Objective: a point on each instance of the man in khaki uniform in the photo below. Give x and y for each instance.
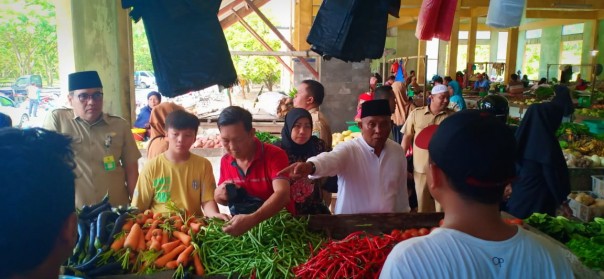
(106, 155)
(309, 97)
(419, 119)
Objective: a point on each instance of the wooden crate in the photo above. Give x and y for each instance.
(339, 226)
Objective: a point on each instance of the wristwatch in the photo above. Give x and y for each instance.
(314, 168)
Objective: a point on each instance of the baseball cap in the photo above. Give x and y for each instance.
(472, 148)
(439, 88)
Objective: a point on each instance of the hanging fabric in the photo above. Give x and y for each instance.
(394, 67)
(505, 13)
(400, 76)
(426, 21)
(446, 15)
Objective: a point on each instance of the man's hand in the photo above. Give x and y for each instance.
(220, 193)
(239, 224)
(297, 170)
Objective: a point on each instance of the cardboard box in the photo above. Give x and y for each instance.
(597, 185)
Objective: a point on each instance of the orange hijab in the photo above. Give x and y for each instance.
(157, 126)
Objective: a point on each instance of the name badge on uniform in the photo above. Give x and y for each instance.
(195, 185)
(109, 162)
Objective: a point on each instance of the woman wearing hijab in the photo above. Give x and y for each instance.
(543, 181)
(564, 101)
(403, 106)
(299, 144)
(157, 125)
(153, 99)
(456, 101)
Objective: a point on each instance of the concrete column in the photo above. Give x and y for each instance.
(454, 44)
(102, 41)
(421, 66)
(472, 44)
(592, 43)
(303, 13)
(64, 44)
(512, 52)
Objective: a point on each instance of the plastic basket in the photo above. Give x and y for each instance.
(596, 126)
(352, 126)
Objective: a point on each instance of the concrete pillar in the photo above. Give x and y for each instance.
(97, 35)
(303, 18)
(512, 52)
(421, 65)
(472, 44)
(454, 44)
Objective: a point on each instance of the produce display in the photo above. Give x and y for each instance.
(208, 142)
(343, 136)
(266, 137)
(121, 241)
(359, 255)
(585, 240)
(593, 111)
(580, 148)
(595, 204)
(269, 250)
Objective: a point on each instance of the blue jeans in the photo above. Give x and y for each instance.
(33, 105)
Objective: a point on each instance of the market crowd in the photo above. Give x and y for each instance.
(438, 157)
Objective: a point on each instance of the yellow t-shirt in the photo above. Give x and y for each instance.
(187, 184)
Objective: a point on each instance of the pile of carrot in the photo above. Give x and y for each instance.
(148, 242)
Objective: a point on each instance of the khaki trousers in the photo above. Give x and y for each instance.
(425, 202)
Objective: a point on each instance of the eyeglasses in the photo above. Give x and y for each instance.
(97, 96)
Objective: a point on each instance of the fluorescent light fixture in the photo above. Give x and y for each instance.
(594, 52)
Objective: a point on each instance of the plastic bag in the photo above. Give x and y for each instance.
(240, 202)
(505, 13)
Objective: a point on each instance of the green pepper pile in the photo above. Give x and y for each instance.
(266, 137)
(269, 250)
(585, 240)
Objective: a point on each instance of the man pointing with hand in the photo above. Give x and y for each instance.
(371, 170)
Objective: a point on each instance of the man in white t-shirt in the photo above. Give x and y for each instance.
(469, 181)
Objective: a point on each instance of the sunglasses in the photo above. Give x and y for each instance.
(97, 96)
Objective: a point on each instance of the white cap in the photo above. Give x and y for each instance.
(439, 88)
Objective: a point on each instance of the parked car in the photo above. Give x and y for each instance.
(17, 91)
(18, 114)
(144, 79)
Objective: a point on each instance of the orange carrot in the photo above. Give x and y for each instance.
(148, 213)
(148, 222)
(171, 265)
(178, 224)
(164, 237)
(163, 260)
(118, 243)
(185, 256)
(185, 238)
(199, 271)
(184, 228)
(157, 216)
(151, 229)
(168, 247)
(141, 218)
(132, 240)
(196, 227)
(155, 245)
(142, 246)
(156, 232)
(128, 225)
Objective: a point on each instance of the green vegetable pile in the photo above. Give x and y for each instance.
(544, 93)
(585, 240)
(266, 137)
(269, 250)
(576, 129)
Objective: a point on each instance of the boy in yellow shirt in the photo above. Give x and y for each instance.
(177, 175)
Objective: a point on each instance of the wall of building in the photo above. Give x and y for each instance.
(343, 83)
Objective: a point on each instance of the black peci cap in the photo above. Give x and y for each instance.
(84, 80)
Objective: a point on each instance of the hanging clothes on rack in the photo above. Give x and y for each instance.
(394, 67)
(400, 73)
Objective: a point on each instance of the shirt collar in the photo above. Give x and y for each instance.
(104, 118)
(312, 110)
(427, 110)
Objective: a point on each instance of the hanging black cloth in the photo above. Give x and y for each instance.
(351, 30)
(543, 180)
(188, 48)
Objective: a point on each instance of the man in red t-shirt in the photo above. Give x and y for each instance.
(252, 165)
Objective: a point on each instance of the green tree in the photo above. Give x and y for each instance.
(531, 60)
(140, 48)
(257, 69)
(29, 41)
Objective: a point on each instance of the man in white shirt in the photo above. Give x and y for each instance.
(371, 170)
(469, 181)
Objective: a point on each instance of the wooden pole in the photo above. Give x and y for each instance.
(512, 53)
(421, 66)
(472, 44)
(453, 43)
